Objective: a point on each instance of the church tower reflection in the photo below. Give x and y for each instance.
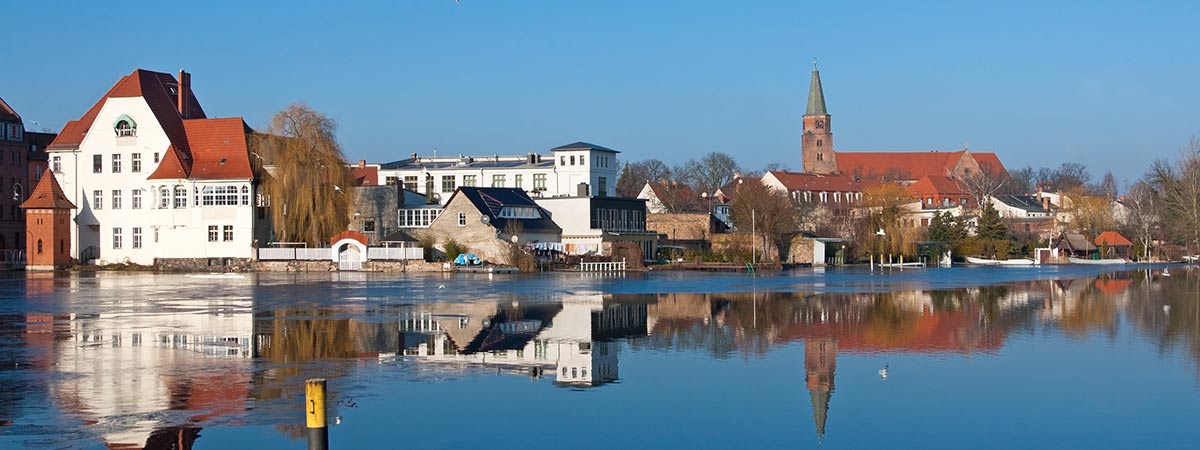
(820, 364)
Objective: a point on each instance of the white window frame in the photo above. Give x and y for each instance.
(462, 219)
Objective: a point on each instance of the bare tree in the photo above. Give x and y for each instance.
(1020, 182)
(773, 215)
(634, 176)
(310, 182)
(1179, 186)
(1090, 214)
(713, 171)
(983, 184)
(1144, 215)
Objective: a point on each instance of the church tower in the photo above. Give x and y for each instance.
(816, 146)
(820, 364)
(47, 226)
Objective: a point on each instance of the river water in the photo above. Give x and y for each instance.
(1050, 357)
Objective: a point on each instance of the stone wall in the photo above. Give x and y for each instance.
(205, 264)
(377, 204)
(680, 227)
(801, 251)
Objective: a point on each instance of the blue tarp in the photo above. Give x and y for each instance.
(467, 259)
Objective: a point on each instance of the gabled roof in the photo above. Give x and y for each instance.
(48, 194)
(1112, 238)
(936, 185)
(910, 165)
(676, 196)
(490, 201)
(160, 92)
(364, 176)
(1077, 242)
(583, 146)
(802, 181)
(7, 113)
(219, 149)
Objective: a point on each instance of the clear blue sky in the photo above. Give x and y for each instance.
(1109, 84)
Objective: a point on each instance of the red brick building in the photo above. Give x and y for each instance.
(48, 220)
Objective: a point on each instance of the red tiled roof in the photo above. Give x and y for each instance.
(939, 185)
(910, 165)
(1112, 238)
(218, 148)
(349, 234)
(48, 194)
(155, 87)
(798, 181)
(365, 176)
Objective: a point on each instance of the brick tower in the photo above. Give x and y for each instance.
(816, 146)
(47, 226)
(820, 365)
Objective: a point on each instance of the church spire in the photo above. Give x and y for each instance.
(816, 96)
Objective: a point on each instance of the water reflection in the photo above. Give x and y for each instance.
(152, 370)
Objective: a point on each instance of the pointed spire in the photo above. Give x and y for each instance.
(816, 96)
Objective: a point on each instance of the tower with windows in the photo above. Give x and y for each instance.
(816, 146)
(48, 226)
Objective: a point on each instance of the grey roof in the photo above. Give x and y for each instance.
(816, 96)
(489, 202)
(1028, 203)
(1076, 242)
(485, 162)
(583, 146)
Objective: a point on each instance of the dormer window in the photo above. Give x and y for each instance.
(125, 127)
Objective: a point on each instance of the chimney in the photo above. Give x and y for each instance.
(183, 94)
(413, 156)
(1046, 203)
(362, 164)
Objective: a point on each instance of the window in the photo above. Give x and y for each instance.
(156, 157)
(125, 128)
(962, 201)
(97, 163)
(497, 180)
(369, 226)
(603, 186)
(562, 160)
(39, 247)
(418, 217)
(136, 160)
(462, 219)
(227, 233)
(391, 181)
(819, 142)
(582, 159)
(180, 197)
(15, 132)
(520, 212)
(539, 181)
(137, 236)
(820, 156)
(572, 159)
(116, 163)
(220, 196)
(518, 180)
(410, 182)
(116, 199)
(164, 198)
(97, 199)
(212, 233)
(245, 196)
(57, 167)
(117, 238)
(469, 180)
(448, 182)
(16, 158)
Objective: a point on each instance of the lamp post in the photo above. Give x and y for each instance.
(18, 190)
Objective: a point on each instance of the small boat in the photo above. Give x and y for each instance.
(1097, 262)
(1017, 262)
(901, 265)
(982, 261)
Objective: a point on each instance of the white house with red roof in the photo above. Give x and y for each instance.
(153, 178)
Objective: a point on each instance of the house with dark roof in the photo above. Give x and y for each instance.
(153, 178)
(489, 221)
(1027, 215)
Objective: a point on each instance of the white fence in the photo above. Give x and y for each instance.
(618, 266)
(322, 254)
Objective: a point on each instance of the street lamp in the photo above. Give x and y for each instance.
(17, 191)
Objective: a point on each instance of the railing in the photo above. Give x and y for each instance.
(271, 254)
(614, 266)
(323, 254)
(313, 254)
(395, 253)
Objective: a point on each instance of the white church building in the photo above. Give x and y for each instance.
(152, 177)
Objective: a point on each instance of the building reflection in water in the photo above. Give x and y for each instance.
(151, 371)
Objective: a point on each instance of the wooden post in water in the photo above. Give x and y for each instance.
(314, 414)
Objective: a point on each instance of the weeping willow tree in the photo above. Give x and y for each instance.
(888, 229)
(308, 180)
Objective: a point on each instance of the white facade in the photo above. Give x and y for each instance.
(123, 216)
(559, 174)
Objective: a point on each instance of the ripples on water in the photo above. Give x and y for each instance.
(1046, 357)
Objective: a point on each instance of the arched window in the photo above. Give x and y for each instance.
(125, 126)
(181, 197)
(61, 247)
(39, 250)
(819, 142)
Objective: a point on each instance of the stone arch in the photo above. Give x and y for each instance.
(346, 240)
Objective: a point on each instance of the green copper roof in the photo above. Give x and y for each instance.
(816, 97)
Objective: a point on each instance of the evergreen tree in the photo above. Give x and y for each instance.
(991, 227)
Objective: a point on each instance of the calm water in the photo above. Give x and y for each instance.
(1056, 357)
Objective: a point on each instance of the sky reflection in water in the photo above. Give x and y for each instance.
(1069, 357)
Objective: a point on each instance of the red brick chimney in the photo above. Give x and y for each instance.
(184, 95)
(362, 163)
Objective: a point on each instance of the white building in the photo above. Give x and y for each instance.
(153, 177)
(574, 169)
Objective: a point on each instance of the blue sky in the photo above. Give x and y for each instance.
(1108, 84)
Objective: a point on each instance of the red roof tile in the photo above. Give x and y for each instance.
(48, 194)
(910, 165)
(1111, 238)
(798, 181)
(939, 185)
(156, 88)
(218, 148)
(365, 176)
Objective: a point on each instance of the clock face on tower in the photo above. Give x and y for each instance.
(820, 124)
